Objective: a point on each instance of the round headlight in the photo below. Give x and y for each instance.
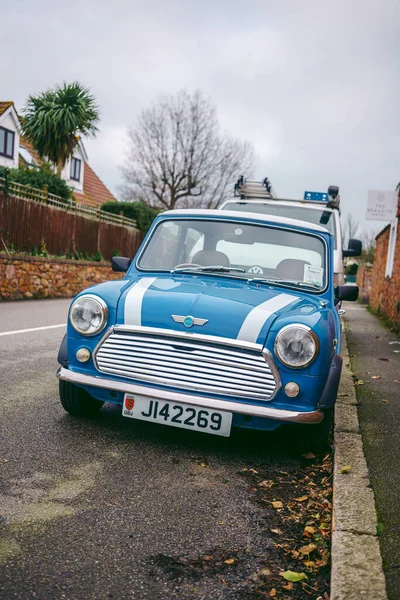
(88, 315)
(296, 346)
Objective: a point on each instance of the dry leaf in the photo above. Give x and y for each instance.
(385, 401)
(345, 469)
(265, 572)
(309, 455)
(202, 464)
(208, 558)
(301, 499)
(229, 561)
(253, 471)
(307, 549)
(309, 563)
(277, 531)
(359, 382)
(272, 593)
(308, 531)
(376, 377)
(277, 504)
(288, 586)
(266, 484)
(221, 523)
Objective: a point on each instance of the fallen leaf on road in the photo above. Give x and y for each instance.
(292, 576)
(266, 484)
(309, 563)
(221, 523)
(277, 531)
(4, 460)
(265, 572)
(288, 586)
(309, 455)
(229, 561)
(308, 531)
(378, 337)
(308, 549)
(385, 359)
(272, 593)
(277, 504)
(359, 382)
(301, 499)
(208, 558)
(385, 401)
(345, 469)
(376, 377)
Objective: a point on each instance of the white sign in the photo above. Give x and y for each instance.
(382, 206)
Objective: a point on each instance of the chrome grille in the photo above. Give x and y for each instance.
(193, 364)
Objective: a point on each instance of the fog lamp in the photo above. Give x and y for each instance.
(292, 389)
(83, 354)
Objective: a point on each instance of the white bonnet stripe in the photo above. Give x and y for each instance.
(134, 299)
(253, 323)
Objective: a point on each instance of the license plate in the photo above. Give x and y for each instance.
(177, 414)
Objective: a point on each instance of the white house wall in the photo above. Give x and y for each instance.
(7, 121)
(66, 173)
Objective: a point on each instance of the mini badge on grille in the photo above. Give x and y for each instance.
(189, 321)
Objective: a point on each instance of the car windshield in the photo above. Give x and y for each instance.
(226, 248)
(316, 216)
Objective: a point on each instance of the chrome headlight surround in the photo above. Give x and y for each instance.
(99, 312)
(282, 339)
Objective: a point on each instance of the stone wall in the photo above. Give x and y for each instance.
(32, 277)
(385, 291)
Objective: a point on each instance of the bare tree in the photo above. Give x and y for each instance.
(368, 238)
(178, 158)
(349, 229)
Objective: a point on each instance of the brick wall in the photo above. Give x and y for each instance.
(31, 277)
(364, 282)
(385, 291)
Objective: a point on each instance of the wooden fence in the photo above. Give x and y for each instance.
(19, 190)
(28, 223)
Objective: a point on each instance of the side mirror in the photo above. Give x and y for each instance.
(354, 249)
(120, 264)
(346, 292)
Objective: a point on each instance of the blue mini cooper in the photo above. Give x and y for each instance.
(223, 319)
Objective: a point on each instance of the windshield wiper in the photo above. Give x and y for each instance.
(209, 269)
(284, 281)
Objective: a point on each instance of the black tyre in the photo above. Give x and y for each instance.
(315, 438)
(76, 401)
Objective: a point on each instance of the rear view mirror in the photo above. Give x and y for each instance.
(120, 264)
(346, 292)
(354, 249)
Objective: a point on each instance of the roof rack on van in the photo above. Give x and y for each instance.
(248, 188)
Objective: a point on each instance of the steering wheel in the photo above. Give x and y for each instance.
(255, 269)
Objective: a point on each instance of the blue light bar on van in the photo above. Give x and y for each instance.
(316, 196)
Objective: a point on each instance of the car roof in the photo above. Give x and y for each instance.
(284, 202)
(237, 216)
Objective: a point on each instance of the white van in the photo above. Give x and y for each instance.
(316, 208)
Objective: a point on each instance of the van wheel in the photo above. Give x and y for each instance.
(316, 438)
(76, 401)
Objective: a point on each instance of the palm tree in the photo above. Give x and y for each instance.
(55, 120)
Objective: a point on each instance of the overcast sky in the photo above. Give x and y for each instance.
(315, 85)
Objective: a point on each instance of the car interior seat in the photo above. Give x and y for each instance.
(291, 268)
(208, 258)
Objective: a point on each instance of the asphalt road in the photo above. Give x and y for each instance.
(94, 509)
(375, 359)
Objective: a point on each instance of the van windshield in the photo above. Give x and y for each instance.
(236, 249)
(323, 217)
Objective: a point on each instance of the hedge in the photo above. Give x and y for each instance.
(37, 178)
(140, 211)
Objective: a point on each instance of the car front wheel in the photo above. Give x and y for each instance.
(76, 401)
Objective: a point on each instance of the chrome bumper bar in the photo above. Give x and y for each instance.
(266, 412)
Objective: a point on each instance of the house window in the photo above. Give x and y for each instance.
(6, 142)
(76, 169)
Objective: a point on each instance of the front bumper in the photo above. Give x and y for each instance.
(266, 412)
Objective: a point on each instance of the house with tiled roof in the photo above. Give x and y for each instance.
(15, 150)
